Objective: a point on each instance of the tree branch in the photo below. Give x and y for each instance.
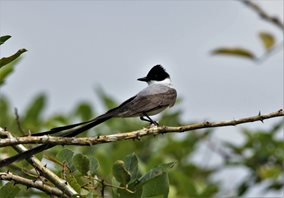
(272, 19)
(32, 183)
(53, 178)
(134, 134)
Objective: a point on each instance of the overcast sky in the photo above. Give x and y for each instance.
(76, 46)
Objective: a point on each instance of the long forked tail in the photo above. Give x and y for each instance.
(71, 133)
(62, 128)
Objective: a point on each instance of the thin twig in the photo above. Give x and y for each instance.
(272, 19)
(103, 188)
(8, 176)
(19, 122)
(113, 186)
(156, 130)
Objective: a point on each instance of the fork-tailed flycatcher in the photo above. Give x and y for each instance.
(159, 95)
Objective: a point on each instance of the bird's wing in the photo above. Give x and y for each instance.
(144, 103)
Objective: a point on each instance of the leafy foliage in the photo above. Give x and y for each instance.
(88, 169)
(121, 174)
(3, 39)
(8, 62)
(262, 153)
(267, 39)
(81, 163)
(242, 52)
(129, 180)
(6, 71)
(9, 190)
(148, 171)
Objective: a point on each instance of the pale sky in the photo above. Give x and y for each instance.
(76, 46)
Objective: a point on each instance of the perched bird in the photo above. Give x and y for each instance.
(157, 96)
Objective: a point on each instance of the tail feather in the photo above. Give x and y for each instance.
(62, 128)
(71, 133)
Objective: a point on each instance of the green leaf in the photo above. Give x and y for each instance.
(120, 173)
(5, 72)
(9, 190)
(157, 187)
(94, 165)
(5, 117)
(185, 184)
(6, 60)
(84, 110)
(66, 155)
(209, 190)
(73, 182)
(267, 39)
(34, 111)
(269, 172)
(82, 163)
(155, 172)
(104, 160)
(131, 164)
(3, 39)
(238, 51)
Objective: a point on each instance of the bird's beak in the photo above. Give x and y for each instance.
(143, 79)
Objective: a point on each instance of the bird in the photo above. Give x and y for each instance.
(156, 97)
